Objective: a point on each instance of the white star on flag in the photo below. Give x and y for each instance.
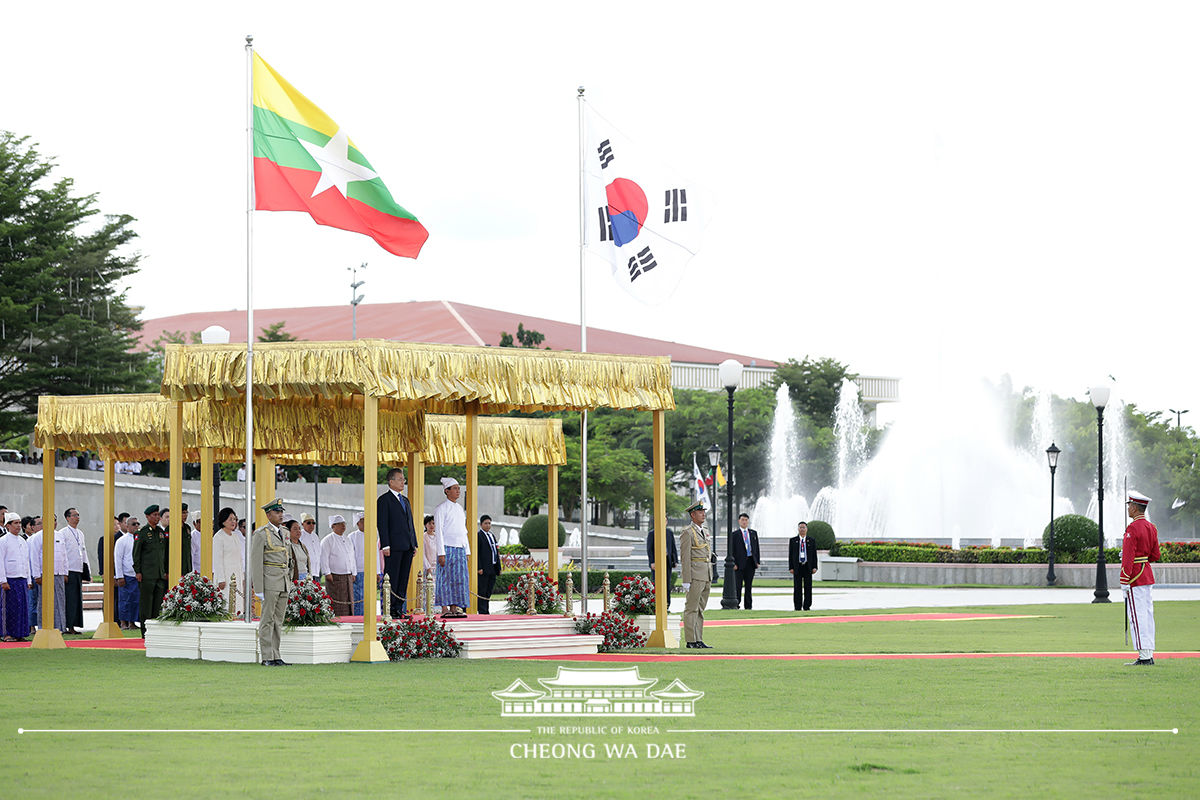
(337, 169)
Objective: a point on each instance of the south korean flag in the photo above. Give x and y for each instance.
(638, 216)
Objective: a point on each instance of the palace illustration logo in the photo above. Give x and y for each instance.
(597, 692)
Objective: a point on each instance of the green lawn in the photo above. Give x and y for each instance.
(83, 689)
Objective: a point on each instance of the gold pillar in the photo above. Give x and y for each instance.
(416, 501)
(370, 648)
(472, 504)
(175, 549)
(264, 487)
(552, 519)
(108, 628)
(662, 636)
(204, 526)
(48, 637)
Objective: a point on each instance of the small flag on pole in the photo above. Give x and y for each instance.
(304, 161)
(700, 485)
(639, 217)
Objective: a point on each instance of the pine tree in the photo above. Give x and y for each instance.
(65, 327)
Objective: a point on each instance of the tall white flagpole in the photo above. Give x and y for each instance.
(248, 606)
(583, 435)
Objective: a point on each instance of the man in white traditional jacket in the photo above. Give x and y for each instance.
(128, 593)
(77, 559)
(337, 565)
(358, 538)
(50, 580)
(453, 549)
(309, 538)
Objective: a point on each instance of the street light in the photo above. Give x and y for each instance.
(1178, 416)
(1052, 457)
(730, 373)
(354, 301)
(1099, 395)
(714, 458)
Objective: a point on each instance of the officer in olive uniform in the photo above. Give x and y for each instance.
(695, 574)
(150, 566)
(270, 567)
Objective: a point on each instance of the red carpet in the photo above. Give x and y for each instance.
(928, 617)
(92, 644)
(639, 658)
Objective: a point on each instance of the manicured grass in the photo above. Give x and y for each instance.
(92, 689)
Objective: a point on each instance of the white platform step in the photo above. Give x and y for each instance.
(509, 636)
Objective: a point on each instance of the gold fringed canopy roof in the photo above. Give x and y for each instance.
(137, 426)
(502, 440)
(438, 378)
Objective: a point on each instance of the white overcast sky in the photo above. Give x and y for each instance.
(909, 187)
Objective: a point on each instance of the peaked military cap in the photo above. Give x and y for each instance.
(274, 505)
(696, 506)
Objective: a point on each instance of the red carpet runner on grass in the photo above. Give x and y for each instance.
(645, 658)
(91, 644)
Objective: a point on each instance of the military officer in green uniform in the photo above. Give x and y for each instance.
(270, 568)
(695, 574)
(150, 566)
(185, 544)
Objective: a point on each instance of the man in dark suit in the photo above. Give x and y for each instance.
(802, 563)
(672, 558)
(397, 538)
(746, 558)
(489, 562)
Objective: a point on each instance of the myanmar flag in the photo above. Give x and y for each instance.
(304, 162)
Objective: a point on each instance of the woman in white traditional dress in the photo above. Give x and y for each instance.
(229, 555)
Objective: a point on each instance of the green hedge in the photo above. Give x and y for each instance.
(822, 534)
(1073, 533)
(514, 550)
(926, 553)
(595, 579)
(534, 532)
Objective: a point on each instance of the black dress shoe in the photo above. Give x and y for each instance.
(279, 662)
(704, 646)
(693, 644)
(268, 663)
(1141, 662)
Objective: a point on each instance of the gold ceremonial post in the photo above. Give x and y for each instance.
(416, 501)
(108, 629)
(232, 595)
(570, 605)
(604, 592)
(418, 607)
(175, 549)
(205, 526)
(370, 649)
(264, 487)
(383, 601)
(48, 637)
(661, 636)
(552, 519)
(530, 596)
(472, 504)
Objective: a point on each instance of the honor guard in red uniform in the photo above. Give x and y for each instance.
(1138, 548)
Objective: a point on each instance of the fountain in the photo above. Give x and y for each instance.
(948, 470)
(777, 514)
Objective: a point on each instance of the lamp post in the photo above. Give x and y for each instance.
(1178, 415)
(714, 458)
(730, 373)
(1052, 457)
(1099, 395)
